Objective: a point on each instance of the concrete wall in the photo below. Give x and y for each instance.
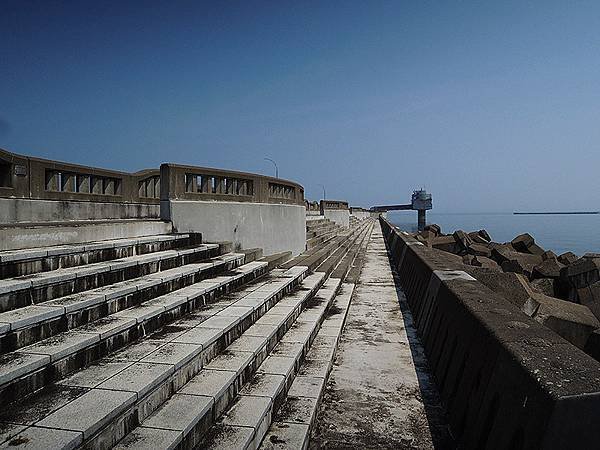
(21, 236)
(339, 216)
(360, 214)
(506, 380)
(13, 210)
(272, 227)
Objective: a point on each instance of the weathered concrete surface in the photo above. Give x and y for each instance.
(339, 216)
(17, 210)
(273, 227)
(380, 393)
(20, 237)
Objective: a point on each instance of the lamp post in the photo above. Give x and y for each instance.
(324, 194)
(276, 168)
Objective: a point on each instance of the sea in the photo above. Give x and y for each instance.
(560, 233)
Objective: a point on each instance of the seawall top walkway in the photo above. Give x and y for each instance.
(380, 393)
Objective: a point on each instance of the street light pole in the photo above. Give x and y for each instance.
(324, 194)
(276, 168)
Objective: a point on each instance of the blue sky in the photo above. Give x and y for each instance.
(493, 106)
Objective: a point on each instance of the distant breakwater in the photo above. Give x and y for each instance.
(555, 212)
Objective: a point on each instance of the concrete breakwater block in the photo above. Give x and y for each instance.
(549, 268)
(590, 297)
(580, 274)
(525, 243)
(572, 321)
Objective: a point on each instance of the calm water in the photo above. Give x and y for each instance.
(559, 233)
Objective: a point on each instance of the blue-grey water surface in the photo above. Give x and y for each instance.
(559, 233)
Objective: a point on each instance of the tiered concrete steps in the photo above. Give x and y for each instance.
(292, 377)
(44, 341)
(292, 422)
(119, 392)
(14, 263)
(271, 381)
(313, 257)
(289, 326)
(320, 231)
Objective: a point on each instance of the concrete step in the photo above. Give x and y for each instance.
(316, 256)
(320, 240)
(310, 222)
(109, 426)
(324, 249)
(33, 323)
(317, 231)
(287, 327)
(344, 251)
(252, 254)
(354, 271)
(272, 380)
(20, 235)
(40, 287)
(35, 366)
(14, 263)
(312, 231)
(276, 259)
(316, 224)
(245, 424)
(107, 399)
(353, 259)
(291, 424)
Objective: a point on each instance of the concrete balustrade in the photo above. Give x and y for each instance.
(35, 190)
(360, 213)
(506, 380)
(337, 211)
(247, 209)
(312, 208)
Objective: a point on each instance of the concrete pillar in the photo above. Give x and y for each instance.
(421, 220)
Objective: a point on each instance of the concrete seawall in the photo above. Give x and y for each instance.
(506, 380)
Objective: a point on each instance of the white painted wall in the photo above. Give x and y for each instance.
(274, 228)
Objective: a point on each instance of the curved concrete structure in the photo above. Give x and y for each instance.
(247, 209)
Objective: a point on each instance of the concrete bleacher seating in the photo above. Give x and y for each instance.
(164, 341)
(319, 232)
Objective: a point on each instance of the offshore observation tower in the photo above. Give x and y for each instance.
(420, 201)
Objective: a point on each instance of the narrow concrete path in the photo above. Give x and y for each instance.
(380, 394)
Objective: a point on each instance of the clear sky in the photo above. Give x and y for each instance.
(492, 106)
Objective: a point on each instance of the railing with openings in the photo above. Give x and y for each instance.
(202, 183)
(35, 178)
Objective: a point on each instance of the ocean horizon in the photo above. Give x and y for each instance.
(560, 233)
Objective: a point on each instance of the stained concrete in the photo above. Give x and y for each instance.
(14, 238)
(273, 227)
(380, 393)
(338, 216)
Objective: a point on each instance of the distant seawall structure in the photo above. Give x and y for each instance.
(554, 212)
